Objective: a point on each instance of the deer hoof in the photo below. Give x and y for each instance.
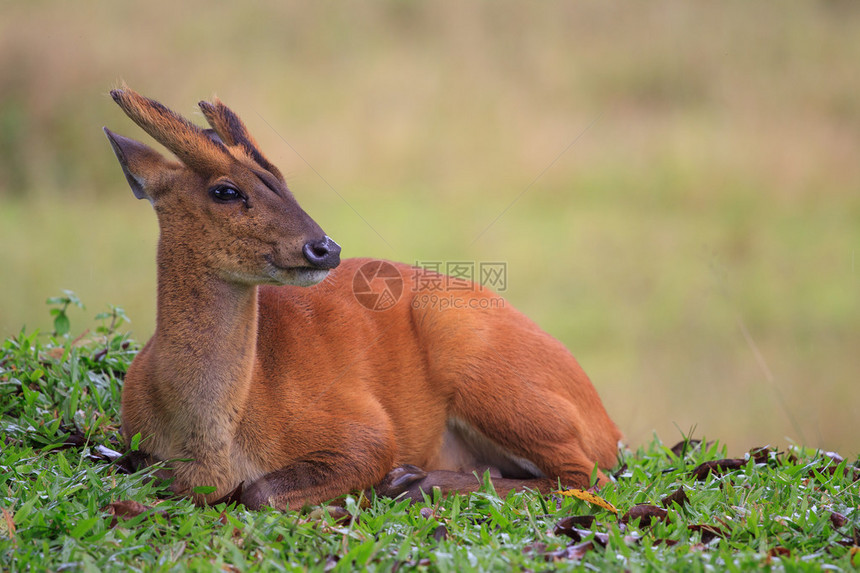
(399, 479)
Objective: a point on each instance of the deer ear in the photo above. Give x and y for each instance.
(143, 166)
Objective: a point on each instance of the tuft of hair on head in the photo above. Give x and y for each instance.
(233, 132)
(188, 142)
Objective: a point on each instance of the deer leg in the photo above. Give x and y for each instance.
(537, 433)
(323, 474)
(304, 482)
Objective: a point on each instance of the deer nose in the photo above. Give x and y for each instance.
(323, 253)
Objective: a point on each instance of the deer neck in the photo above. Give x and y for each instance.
(205, 338)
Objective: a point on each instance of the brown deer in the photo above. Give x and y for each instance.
(305, 393)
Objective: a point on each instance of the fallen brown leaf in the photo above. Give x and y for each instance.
(571, 552)
(763, 454)
(573, 522)
(709, 532)
(427, 512)
(645, 513)
(837, 519)
(75, 439)
(684, 447)
(579, 534)
(236, 534)
(848, 471)
(338, 514)
(10, 524)
(679, 496)
(577, 551)
(717, 467)
(127, 509)
(331, 562)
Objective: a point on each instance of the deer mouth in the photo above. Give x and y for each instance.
(304, 275)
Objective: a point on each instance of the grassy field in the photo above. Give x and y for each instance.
(674, 187)
(69, 502)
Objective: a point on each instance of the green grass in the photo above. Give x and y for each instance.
(795, 510)
(714, 195)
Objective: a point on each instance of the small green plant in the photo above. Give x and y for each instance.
(117, 318)
(62, 325)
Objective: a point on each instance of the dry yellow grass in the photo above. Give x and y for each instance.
(696, 247)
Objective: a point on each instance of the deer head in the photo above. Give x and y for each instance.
(223, 207)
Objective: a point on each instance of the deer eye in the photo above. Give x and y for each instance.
(226, 194)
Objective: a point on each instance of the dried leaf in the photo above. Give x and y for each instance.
(573, 522)
(75, 439)
(645, 513)
(338, 514)
(331, 562)
(578, 551)
(568, 529)
(573, 551)
(127, 509)
(426, 512)
(838, 520)
(10, 524)
(577, 527)
(709, 532)
(236, 533)
(56, 353)
(620, 471)
(588, 497)
(679, 496)
(681, 448)
(717, 467)
(853, 473)
(763, 454)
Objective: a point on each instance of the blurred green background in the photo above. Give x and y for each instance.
(678, 183)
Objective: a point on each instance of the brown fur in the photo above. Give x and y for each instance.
(301, 392)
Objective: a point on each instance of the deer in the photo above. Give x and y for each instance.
(268, 377)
